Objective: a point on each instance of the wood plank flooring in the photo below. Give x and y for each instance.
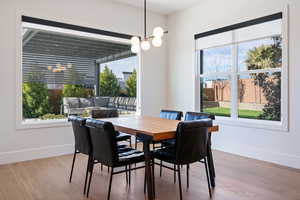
(238, 178)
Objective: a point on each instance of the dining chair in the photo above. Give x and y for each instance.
(166, 114)
(198, 116)
(190, 146)
(190, 116)
(82, 143)
(111, 113)
(105, 151)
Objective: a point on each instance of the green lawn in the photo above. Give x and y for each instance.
(219, 111)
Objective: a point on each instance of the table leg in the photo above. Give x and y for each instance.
(147, 152)
(211, 166)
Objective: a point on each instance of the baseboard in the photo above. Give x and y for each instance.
(35, 153)
(287, 160)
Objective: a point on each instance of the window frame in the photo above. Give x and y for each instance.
(21, 18)
(234, 120)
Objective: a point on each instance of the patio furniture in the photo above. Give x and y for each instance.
(77, 106)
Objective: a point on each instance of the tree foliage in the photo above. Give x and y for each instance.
(109, 84)
(263, 57)
(131, 84)
(35, 96)
(74, 87)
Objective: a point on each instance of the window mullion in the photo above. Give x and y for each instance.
(234, 79)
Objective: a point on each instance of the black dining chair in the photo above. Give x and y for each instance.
(105, 151)
(190, 146)
(82, 143)
(166, 114)
(111, 113)
(198, 116)
(188, 117)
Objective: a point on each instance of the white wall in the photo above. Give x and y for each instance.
(34, 143)
(273, 146)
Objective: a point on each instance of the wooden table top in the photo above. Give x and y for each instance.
(158, 128)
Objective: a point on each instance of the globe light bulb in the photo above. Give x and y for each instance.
(145, 45)
(135, 41)
(157, 41)
(158, 32)
(135, 48)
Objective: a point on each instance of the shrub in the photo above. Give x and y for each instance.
(51, 116)
(35, 96)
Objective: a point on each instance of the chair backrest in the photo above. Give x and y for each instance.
(107, 113)
(171, 114)
(104, 143)
(191, 140)
(198, 115)
(81, 134)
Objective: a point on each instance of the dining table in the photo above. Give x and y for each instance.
(155, 129)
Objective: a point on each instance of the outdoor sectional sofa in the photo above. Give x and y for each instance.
(77, 106)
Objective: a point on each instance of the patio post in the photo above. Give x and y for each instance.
(97, 74)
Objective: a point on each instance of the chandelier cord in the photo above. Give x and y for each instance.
(145, 17)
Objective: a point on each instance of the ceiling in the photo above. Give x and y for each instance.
(162, 6)
(44, 49)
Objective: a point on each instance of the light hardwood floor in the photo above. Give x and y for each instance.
(238, 178)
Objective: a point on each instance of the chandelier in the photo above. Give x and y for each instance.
(59, 67)
(138, 43)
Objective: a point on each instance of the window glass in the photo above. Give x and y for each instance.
(259, 96)
(260, 54)
(216, 95)
(69, 74)
(218, 59)
(242, 78)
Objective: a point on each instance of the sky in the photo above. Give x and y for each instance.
(123, 65)
(219, 59)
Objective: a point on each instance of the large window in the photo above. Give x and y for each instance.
(240, 70)
(73, 72)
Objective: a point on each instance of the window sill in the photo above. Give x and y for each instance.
(252, 123)
(37, 124)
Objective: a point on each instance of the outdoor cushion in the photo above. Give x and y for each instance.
(101, 101)
(72, 102)
(76, 111)
(86, 102)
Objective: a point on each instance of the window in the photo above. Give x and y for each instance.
(241, 70)
(71, 70)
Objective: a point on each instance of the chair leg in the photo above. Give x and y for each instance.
(130, 143)
(71, 174)
(187, 175)
(153, 177)
(126, 171)
(145, 182)
(160, 168)
(129, 175)
(135, 144)
(110, 182)
(174, 173)
(90, 179)
(179, 181)
(87, 173)
(207, 176)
